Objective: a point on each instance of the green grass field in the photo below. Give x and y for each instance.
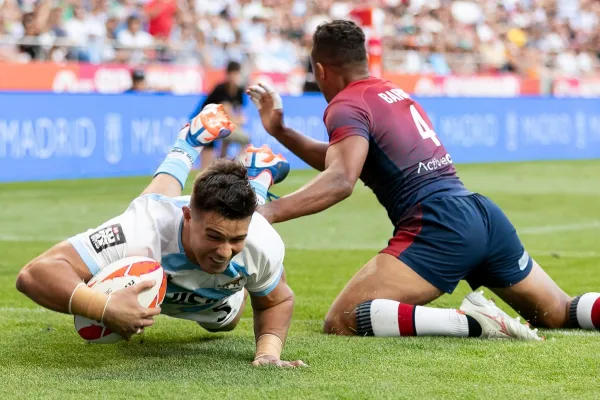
(553, 205)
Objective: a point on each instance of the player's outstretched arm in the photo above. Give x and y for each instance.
(210, 124)
(272, 317)
(270, 107)
(344, 163)
(56, 280)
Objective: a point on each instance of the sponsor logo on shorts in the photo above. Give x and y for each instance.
(107, 237)
(523, 261)
(434, 163)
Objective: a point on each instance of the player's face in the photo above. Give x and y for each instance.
(215, 240)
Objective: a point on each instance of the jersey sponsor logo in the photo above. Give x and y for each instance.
(434, 163)
(107, 237)
(234, 284)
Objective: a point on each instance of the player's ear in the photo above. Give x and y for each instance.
(320, 71)
(187, 213)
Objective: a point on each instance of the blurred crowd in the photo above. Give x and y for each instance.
(528, 37)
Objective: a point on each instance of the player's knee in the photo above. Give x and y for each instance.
(226, 328)
(339, 323)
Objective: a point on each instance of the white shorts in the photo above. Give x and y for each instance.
(218, 316)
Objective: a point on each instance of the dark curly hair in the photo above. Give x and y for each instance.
(339, 43)
(224, 188)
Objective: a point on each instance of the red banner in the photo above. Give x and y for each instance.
(105, 78)
(113, 78)
(465, 86)
(33, 76)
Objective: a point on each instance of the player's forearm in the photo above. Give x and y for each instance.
(49, 282)
(324, 191)
(311, 151)
(273, 321)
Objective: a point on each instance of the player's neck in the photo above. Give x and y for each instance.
(350, 78)
(344, 81)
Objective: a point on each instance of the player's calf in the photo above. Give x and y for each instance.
(211, 124)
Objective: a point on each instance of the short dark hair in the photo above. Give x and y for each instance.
(224, 188)
(339, 43)
(233, 66)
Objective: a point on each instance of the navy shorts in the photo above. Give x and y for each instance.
(453, 238)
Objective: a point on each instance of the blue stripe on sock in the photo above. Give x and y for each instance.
(175, 167)
(260, 190)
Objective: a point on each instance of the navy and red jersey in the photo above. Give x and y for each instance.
(406, 162)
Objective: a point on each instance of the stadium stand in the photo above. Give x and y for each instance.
(526, 37)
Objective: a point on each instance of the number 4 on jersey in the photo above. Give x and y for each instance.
(425, 131)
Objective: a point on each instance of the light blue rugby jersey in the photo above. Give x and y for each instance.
(151, 227)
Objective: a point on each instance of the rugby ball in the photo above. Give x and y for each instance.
(114, 277)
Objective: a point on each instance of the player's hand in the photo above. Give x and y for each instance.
(124, 314)
(272, 360)
(270, 107)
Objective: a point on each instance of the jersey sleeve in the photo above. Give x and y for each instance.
(132, 233)
(267, 252)
(344, 119)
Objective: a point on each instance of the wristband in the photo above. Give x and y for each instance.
(268, 344)
(87, 303)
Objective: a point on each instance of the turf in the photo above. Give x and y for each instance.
(553, 205)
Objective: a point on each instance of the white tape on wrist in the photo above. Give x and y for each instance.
(72, 293)
(103, 311)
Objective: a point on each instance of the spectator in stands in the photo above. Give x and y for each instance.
(31, 32)
(440, 36)
(161, 16)
(138, 81)
(230, 93)
(79, 31)
(134, 39)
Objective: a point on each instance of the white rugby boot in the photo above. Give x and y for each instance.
(495, 323)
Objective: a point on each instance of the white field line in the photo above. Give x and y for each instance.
(541, 230)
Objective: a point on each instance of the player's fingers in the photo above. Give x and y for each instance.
(151, 312)
(256, 102)
(146, 322)
(257, 91)
(267, 87)
(144, 285)
(298, 363)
